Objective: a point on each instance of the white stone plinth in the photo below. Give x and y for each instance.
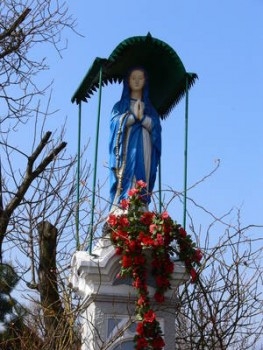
(109, 302)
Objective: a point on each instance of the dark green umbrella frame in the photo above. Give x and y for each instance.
(168, 79)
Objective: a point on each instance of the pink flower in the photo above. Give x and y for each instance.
(138, 283)
(141, 184)
(142, 300)
(132, 192)
(165, 215)
(153, 228)
(159, 240)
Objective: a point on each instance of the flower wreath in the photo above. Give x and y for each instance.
(131, 233)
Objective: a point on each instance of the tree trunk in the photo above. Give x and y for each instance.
(57, 328)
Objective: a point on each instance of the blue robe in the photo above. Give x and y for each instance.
(131, 142)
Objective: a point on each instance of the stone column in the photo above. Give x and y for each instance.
(109, 302)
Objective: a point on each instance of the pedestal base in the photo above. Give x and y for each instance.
(109, 303)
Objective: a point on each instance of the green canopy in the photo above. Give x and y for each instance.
(168, 79)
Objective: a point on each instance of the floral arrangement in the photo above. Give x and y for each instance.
(134, 234)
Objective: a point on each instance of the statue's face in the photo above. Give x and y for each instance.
(136, 80)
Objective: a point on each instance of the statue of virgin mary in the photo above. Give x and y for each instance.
(135, 139)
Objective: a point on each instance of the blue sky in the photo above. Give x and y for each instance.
(222, 42)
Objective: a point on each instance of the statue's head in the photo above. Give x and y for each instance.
(136, 79)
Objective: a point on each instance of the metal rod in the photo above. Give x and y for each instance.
(78, 178)
(185, 150)
(95, 167)
(160, 187)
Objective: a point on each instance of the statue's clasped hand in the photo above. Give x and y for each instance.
(138, 109)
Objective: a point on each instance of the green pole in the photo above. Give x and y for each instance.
(78, 178)
(95, 168)
(185, 149)
(160, 188)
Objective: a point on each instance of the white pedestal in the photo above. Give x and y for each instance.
(109, 302)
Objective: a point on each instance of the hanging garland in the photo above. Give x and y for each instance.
(136, 232)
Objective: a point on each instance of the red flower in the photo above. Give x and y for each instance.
(148, 241)
(124, 221)
(133, 245)
(141, 274)
(167, 238)
(118, 250)
(149, 316)
(112, 220)
(131, 233)
(150, 331)
(162, 281)
(159, 297)
(158, 343)
(139, 260)
(193, 274)
(182, 232)
(141, 344)
(139, 328)
(114, 237)
(122, 235)
(125, 203)
(138, 283)
(126, 261)
(147, 218)
(198, 255)
(169, 266)
(159, 239)
(155, 263)
(167, 228)
(140, 235)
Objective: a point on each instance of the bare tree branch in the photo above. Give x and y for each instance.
(30, 175)
(14, 25)
(23, 26)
